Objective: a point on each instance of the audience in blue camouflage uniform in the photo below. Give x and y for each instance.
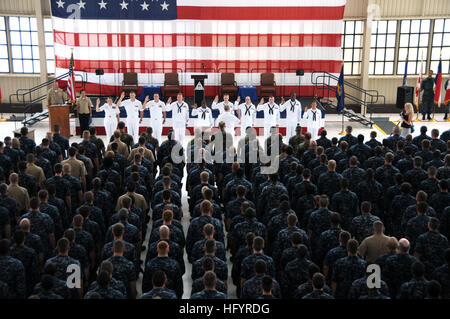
(308, 230)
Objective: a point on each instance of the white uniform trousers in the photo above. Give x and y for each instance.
(267, 127)
(244, 126)
(133, 129)
(290, 129)
(156, 125)
(179, 134)
(314, 132)
(110, 123)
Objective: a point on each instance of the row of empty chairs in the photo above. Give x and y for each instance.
(228, 84)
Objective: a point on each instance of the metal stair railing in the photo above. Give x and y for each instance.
(325, 83)
(24, 97)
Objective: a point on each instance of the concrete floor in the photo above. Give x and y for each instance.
(333, 125)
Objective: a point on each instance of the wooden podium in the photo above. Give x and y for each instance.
(60, 114)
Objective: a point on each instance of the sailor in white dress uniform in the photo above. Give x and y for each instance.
(216, 105)
(314, 120)
(246, 113)
(271, 114)
(112, 116)
(132, 107)
(204, 116)
(180, 116)
(293, 109)
(229, 119)
(157, 114)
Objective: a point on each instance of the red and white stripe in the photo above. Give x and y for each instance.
(419, 82)
(247, 37)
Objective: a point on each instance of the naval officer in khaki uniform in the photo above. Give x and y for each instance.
(122, 147)
(84, 110)
(78, 168)
(20, 194)
(35, 171)
(56, 96)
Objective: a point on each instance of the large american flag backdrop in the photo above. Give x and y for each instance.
(153, 37)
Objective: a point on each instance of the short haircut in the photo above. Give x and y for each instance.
(119, 246)
(103, 279)
(366, 207)
(318, 280)
(418, 269)
(352, 246)
(258, 243)
(209, 279)
(260, 266)
(301, 251)
(63, 245)
(159, 278)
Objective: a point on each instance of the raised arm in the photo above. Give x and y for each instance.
(260, 106)
(168, 107)
(194, 110)
(120, 100)
(144, 106)
(236, 106)
(215, 102)
(282, 105)
(97, 108)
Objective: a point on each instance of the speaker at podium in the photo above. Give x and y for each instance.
(405, 94)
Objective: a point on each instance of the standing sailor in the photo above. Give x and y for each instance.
(204, 116)
(293, 109)
(132, 106)
(84, 111)
(220, 106)
(314, 120)
(271, 114)
(427, 86)
(246, 113)
(112, 116)
(229, 119)
(157, 114)
(180, 116)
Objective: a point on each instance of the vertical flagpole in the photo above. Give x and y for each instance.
(416, 102)
(342, 131)
(439, 102)
(342, 71)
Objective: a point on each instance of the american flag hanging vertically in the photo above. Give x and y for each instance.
(418, 84)
(71, 81)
